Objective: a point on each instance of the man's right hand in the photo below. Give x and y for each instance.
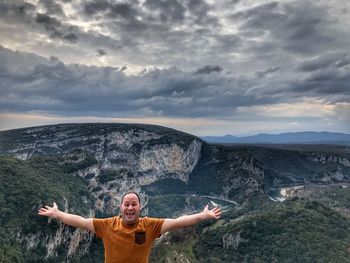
(69, 219)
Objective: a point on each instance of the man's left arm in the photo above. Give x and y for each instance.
(189, 220)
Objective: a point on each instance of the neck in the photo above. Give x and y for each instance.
(130, 224)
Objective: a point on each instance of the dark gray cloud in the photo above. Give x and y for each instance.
(109, 9)
(299, 27)
(201, 58)
(166, 11)
(79, 88)
(101, 52)
(27, 14)
(261, 74)
(123, 68)
(11, 8)
(52, 7)
(332, 82)
(207, 69)
(52, 86)
(56, 29)
(147, 33)
(49, 23)
(333, 59)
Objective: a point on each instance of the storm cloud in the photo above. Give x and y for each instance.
(227, 60)
(52, 86)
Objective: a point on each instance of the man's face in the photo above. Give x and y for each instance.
(130, 208)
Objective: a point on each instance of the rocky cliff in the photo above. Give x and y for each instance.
(175, 173)
(119, 157)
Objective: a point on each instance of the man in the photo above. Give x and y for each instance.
(129, 237)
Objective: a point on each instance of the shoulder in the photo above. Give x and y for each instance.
(149, 221)
(154, 225)
(113, 218)
(103, 225)
(106, 221)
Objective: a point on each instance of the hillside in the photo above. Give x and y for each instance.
(295, 231)
(86, 168)
(25, 187)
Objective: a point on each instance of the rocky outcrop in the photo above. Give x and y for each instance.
(137, 169)
(251, 183)
(112, 159)
(329, 158)
(232, 240)
(169, 159)
(122, 157)
(76, 240)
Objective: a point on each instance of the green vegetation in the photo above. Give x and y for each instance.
(295, 231)
(295, 166)
(25, 186)
(77, 160)
(258, 230)
(223, 166)
(176, 247)
(161, 206)
(336, 196)
(165, 186)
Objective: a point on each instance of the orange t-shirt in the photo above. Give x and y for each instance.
(127, 243)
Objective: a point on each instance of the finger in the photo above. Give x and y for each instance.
(47, 207)
(54, 204)
(217, 212)
(217, 216)
(41, 212)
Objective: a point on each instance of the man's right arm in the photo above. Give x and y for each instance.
(69, 219)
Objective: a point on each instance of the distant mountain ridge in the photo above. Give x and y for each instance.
(308, 137)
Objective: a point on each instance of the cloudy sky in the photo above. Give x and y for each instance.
(207, 67)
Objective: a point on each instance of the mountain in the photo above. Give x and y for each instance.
(86, 168)
(285, 138)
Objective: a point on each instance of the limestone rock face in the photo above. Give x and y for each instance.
(126, 156)
(232, 240)
(162, 165)
(329, 158)
(112, 159)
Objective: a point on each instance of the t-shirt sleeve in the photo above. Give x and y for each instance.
(155, 224)
(101, 225)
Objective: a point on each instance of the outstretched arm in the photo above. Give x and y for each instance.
(189, 220)
(69, 219)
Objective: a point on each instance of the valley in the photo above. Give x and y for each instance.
(86, 168)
